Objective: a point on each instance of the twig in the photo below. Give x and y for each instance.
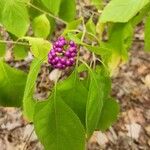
(14, 42)
(49, 14)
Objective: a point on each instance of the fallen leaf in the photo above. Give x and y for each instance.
(134, 130)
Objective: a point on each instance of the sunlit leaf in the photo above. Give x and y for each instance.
(41, 26)
(122, 10)
(15, 17)
(39, 47)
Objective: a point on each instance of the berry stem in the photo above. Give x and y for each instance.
(84, 30)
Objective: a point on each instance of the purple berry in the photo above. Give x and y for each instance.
(63, 54)
(57, 59)
(61, 38)
(54, 61)
(72, 49)
(68, 63)
(56, 43)
(71, 43)
(73, 54)
(59, 49)
(53, 54)
(68, 54)
(72, 60)
(63, 60)
(59, 65)
(61, 44)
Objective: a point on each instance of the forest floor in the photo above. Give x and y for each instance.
(131, 86)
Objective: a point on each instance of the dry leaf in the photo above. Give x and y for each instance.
(134, 130)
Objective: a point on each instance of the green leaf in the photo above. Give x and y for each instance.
(122, 10)
(2, 3)
(99, 50)
(139, 17)
(15, 17)
(41, 26)
(28, 100)
(97, 3)
(68, 10)
(77, 97)
(52, 5)
(73, 25)
(94, 102)
(57, 127)
(90, 26)
(109, 114)
(2, 48)
(39, 47)
(147, 34)
(20, 52)
(12, 83)
(120, 39)
(75, 38)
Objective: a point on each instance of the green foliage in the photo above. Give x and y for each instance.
(99, 88)
(41, 26)
(77, 102)
(20, 51)
(122, 10)
(147, 34)
(12, 83)
(2, 3)
(73, 25)
(15, 17)
(90, 27)
(120, 39)
(81, 103)
(67, 10)
(109, 114)
(28, 100)
(57, 126)
(2, 48)
(52, 5)
(39, 47)
(97, 3)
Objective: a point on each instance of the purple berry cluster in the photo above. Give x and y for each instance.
(63, 54)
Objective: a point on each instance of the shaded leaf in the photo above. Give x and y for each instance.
(57, 126)
(94, 103)
(109, 114)
(67, 10)
(20, 52)
(77, 97)
(12, 83)
(28, 100)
